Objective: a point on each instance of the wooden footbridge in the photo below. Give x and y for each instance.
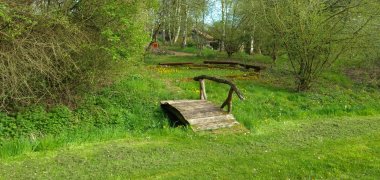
(202, 114)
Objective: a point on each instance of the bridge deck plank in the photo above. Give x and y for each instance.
(200, 114)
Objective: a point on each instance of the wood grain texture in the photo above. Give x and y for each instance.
(201, 115)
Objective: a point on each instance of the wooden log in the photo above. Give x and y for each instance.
(176, 63)
(228, 101)
(203, 89)
(233, 86)
(221, 62)
(254, 67)
(257, 68)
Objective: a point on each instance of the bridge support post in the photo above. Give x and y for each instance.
(228, 101)
(203, 94)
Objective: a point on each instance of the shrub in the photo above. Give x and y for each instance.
(125, 105)
(51, 51)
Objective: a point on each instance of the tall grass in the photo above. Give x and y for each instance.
(130, 105)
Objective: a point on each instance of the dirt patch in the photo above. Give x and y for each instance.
(158, 51)
(175, 53)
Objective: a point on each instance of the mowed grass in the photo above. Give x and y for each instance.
(346, 148)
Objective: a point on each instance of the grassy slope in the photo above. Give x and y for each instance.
(292, 134)
(271, 96)
(341, 148)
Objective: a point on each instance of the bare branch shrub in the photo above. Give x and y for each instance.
(36, 57)
(52, 50)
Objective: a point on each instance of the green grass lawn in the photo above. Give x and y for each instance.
(331, 131)
(344, 148)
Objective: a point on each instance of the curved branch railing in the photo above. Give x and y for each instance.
(233, 88)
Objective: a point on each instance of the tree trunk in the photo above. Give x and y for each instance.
(224, 24)
(242, 47)
(229, 54)
(154, 37)
(304, 79)
(152, 33)
(252, 43)
(178, 13)
(48, 6)
(303, 85)
(200, 44)
(184, 36)
(170, 30)
(164, 32)
(257, 46)
(252, 48)
(274, 53)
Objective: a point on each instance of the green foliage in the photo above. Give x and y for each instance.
(36, 121)
(120, 24)
(234, 35)
(50, 55)
(123, 105)
(131, 105)
(314, 34)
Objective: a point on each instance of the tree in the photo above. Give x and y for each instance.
(315, 33)
(231, 30)
(185, 28)
(224, 15)
(198, 10)
(178, 16)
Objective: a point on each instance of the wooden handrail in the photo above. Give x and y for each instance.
(228, 101)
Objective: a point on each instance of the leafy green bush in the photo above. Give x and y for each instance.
(54, 57)
(120, 24)
(122, 105)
